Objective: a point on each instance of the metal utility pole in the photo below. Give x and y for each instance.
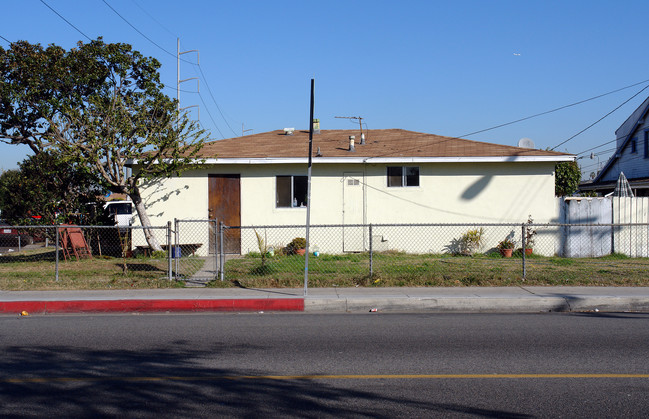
(308, 195)
(178, 80)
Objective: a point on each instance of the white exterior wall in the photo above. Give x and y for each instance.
(461, 193)
(448, 193)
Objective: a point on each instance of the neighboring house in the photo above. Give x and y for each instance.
(631, 157)
(393, 176)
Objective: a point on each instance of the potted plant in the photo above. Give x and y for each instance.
(530, 232)
(506, 248)
(297, 246)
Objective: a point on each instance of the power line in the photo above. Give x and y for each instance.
(210, 114)
(175, 56)
(555, 110)
(140, 32)
(638, 155)
(209, 89)
(174, 89)
(539, 114)
(5, 39)
(214, 100)
(596, 147)
(600, 119)
(154, 19)
(66, 21)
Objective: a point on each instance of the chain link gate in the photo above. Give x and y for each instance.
(196, 251)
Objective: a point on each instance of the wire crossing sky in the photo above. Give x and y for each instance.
(499, 71)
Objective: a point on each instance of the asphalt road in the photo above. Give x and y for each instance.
(307, 365)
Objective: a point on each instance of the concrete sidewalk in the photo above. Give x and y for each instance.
(332, 300)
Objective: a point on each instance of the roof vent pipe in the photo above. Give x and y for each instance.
(362, 139)
(351, 143)
(316, 126)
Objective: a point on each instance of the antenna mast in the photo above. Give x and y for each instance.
(360, 120)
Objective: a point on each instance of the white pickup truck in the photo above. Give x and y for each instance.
(120, 211)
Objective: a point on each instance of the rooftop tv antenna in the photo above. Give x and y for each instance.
(360, 120)
(243, 131)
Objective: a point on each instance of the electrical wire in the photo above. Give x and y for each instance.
(214, 100)
(555, 110)
(596, 147)
(174, 89)
(428, 207)
(175, 56)
(140, 32)
(8, 41)
(66, 21)
(638, 156)
(154, 19)
(464, 135)
(600, 119)
(536, 115)
(210, 114)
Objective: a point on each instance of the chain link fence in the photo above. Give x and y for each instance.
(199, 251)
(440, 254)
(84, 253)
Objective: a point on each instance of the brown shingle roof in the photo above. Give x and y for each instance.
(379, 143)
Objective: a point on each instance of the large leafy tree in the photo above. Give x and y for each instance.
(101, 106)
(567, 178)
(47, 189)
(37, 84)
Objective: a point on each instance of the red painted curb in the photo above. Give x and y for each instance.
(122, 306)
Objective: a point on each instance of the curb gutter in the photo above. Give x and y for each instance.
(153, 305)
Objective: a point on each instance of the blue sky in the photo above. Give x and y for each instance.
(448, 68)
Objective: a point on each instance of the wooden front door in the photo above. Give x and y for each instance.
(225, 206)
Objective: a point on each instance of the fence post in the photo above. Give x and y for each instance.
(176, 259)
(523, 248)
(371, 254)
(216, 248)
(56, 269)
(221, 252)
(169, 250)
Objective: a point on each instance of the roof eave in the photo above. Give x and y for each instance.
(389, 160)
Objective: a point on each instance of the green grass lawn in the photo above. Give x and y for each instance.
(35, 270)
(401, 269)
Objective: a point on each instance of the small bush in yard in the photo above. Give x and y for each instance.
(295, 244)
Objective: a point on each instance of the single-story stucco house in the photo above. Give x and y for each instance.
(387, 176)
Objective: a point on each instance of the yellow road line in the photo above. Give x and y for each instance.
(316, 377)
